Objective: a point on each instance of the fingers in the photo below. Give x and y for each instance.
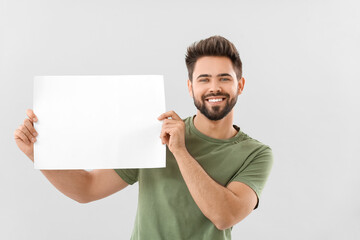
(30, 128)
(169, 122)
(168, 127)
(168, 114)
(19, 134)
(26, 132)
(165, 133)
(31, 115)
(164, 137)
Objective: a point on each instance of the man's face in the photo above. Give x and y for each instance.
(214, 87)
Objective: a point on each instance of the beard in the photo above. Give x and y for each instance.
(215, 113)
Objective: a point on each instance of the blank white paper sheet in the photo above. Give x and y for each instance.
(99, 122)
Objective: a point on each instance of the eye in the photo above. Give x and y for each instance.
(225, 79)
(203, 80)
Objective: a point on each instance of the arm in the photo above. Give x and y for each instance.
(79, 185)
(223, 206)
(83, 186)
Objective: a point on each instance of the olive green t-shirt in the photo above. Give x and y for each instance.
(166, 209)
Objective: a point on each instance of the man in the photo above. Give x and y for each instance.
(214, 172)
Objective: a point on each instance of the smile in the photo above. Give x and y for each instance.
(215, 99)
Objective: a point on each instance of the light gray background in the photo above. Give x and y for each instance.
(301, 97)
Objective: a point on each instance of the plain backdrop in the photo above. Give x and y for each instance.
(300, 63)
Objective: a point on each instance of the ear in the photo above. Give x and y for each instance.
(241, 84)
(190, 87)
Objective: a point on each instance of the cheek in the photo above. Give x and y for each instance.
(200, 95)
(233, 90)
(197, 94)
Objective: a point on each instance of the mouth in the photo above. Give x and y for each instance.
(215, 100)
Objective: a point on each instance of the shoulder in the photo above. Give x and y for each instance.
(187, 122)
(187, 119)
(254, 146)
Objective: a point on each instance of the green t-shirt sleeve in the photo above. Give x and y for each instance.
(256, 171)
(130, 176)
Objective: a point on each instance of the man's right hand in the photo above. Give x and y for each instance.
(25, 135)
(80, 185)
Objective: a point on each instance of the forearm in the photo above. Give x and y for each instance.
(212, 198)
(72, 183)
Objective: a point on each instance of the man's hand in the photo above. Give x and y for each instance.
(25, 135)
(173, 131)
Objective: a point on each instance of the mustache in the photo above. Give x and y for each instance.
(216, 95)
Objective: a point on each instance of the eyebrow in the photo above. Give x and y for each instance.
(219, 75)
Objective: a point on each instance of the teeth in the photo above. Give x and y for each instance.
(215, 100)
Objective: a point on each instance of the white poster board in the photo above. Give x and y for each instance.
(98, 122)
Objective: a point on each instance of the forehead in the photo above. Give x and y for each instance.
(213, 65)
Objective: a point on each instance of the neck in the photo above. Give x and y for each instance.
(221, 129)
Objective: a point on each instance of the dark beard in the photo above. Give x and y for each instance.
(215, 114)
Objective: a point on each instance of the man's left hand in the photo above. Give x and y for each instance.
(173, 131)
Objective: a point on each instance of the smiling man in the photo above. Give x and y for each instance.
(214, 173)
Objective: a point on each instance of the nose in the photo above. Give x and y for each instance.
(215, 87)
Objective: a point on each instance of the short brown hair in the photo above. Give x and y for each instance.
(213, 46)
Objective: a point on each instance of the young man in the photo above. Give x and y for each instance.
(214, 172)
